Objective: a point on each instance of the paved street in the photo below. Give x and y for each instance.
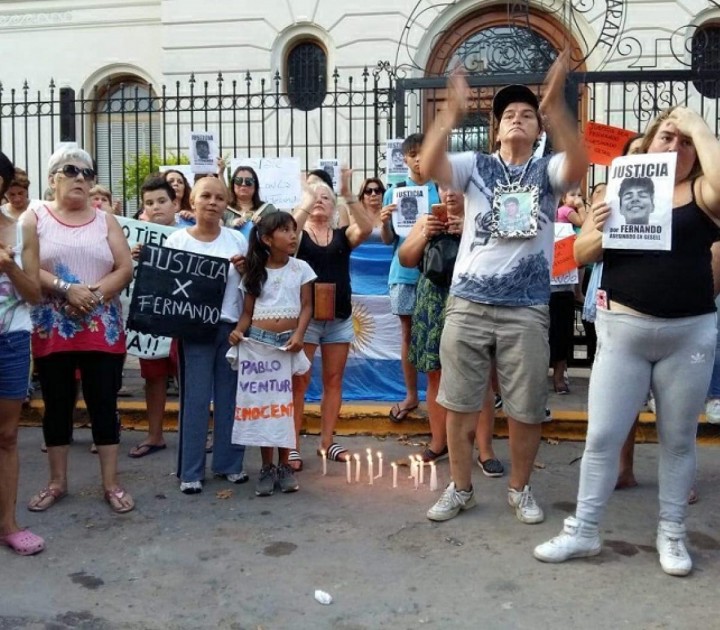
(226, 559)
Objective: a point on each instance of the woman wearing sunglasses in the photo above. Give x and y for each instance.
(244, 199)
(84, 264)
(370, 261)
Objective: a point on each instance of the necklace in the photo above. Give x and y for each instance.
(506, 171)
(316, 238)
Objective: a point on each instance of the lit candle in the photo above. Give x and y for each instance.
(380, 464)
(394, 469)
(357, 467)
(413, 463)
(370, 466)
(421, 468)
(416, 476)
(348, 468)
(433, 477)
(323, 452)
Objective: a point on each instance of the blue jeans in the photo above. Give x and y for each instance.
(714, 389)
(205, 375)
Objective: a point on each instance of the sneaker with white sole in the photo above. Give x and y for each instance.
(674, 556)
(451, 502)
(265, 485)
(191, 487)
(712, 410)
(241, 477)
(286, 479)
(577, 540)
(526, 509)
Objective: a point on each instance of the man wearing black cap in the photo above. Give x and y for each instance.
(498, 304)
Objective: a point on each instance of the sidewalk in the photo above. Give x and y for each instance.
(228, 560)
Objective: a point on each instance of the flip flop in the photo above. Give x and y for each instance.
(295, 461)
(136, 453)
(53, 494)
(23, 542)
(334, 453)
(114, 500)
(398, 414)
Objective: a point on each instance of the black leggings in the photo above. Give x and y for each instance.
(562, 325)
(101, 374)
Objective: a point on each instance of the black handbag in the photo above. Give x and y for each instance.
(439, 259)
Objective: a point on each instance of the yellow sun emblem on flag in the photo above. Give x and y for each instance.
(363, 325)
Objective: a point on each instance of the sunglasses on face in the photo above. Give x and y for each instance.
(372, 191)
(72, 171)
(244, 181)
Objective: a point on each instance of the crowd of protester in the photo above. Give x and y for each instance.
(477, 314)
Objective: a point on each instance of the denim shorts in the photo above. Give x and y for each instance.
(14, 365)
(333, 331)
(402, 299)
(272, 338)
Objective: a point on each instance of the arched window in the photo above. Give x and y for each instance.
(705, 57)
(306, 74)
(127, 130)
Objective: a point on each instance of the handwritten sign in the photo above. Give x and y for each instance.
(145, 346)
(604, 143)
(280, 179)
(411, 201)
(564, 268)
(264, 402)
(177, 293)
(203, 152)
(640, 193)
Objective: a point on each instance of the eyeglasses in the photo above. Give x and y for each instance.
(373, 191)
(72, 171)
(244, 181)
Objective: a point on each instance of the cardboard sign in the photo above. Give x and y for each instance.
(280, 179)
(411, 202)
(177, 293)
(640, 194)
(604, 143)
(332, 168)
(203, 152)
(140, 344)
(563, 256)
(264, 401)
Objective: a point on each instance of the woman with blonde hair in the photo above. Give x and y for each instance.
(656, 326)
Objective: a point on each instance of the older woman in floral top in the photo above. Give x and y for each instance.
(84, 264)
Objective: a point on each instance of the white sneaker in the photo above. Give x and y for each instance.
(674, 556)
(191, 487)
(525, 507)
(712, 410)
(577, 540)
(450, 503)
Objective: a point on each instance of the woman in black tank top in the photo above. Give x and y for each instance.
(656, 326)
(327, 250)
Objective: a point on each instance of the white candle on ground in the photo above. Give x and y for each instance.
(370, 466)
(357, 467)
(416, 476)
(394, 469)
(433, 477)
(421, 467)
(348, 468)
(323, 452)
(380, 464)
(413, 463)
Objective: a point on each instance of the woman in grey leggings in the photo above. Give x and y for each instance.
(656, 328)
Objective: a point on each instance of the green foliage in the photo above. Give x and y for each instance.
(138, 168)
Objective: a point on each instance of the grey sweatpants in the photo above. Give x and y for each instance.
(673, 356)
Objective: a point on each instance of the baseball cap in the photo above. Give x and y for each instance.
(513, 94)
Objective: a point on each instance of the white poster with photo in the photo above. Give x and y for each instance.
(280, 179)
(264, 400)
(639, 193)
(203, 152)
(411, 202)
(332, 167)
(396, 168)
(140, 344)
(185, 169)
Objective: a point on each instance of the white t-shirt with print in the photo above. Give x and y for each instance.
(14, 311)
(229, 243)
(280, 295)
(502, 271)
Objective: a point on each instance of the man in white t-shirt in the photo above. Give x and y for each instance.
(498, 304)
